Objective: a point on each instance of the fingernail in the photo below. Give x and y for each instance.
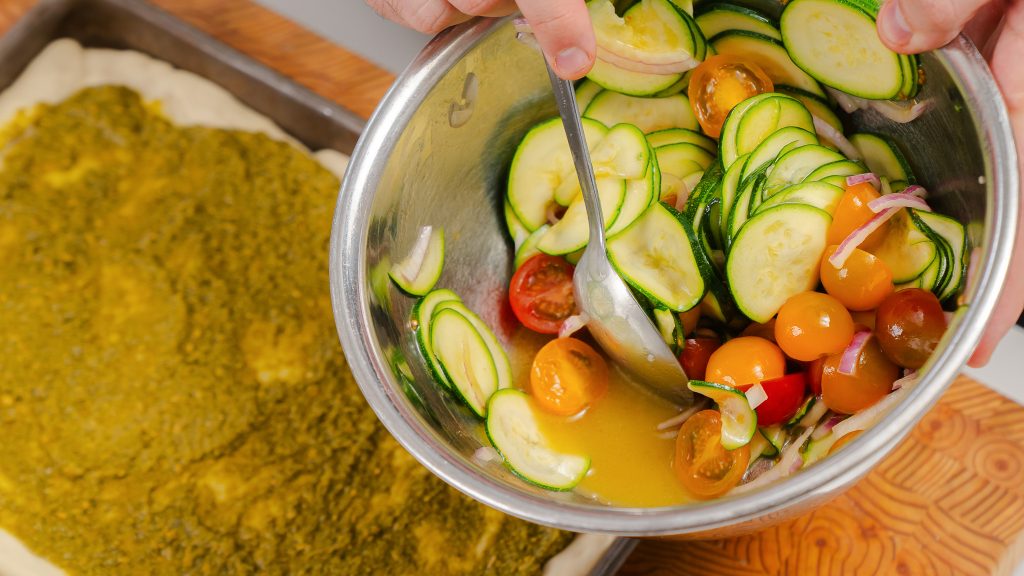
(894, 25)
(572, 61)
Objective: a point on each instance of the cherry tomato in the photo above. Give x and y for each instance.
(541, 293)
(703, 466)
(690, 319)
(766, 330)
(910, 324)
(852, 212)
(744, 361)
(863, 320)
(871, 380)
(720, 83)
(785, 396)
(812, 324)
(696, 354)
(814, 370)
(861, 283)
(567, 376)
(844, 441)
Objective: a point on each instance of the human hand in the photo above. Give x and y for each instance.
(562, 27)
(997, 27)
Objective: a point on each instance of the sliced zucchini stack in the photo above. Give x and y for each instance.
(648, 49)
(739, 420)
(836, 42)
(460, 350)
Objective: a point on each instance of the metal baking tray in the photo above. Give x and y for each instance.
(313, 120)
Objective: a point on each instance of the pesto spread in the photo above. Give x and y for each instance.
(173, 399)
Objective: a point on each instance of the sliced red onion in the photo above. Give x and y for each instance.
(486, 454)
(757, 467)
(677, 420)
(410, 268)
(865, 418)
(552, 213)
(868, 177)
(826, 427)
(848, 103)
(858, 236)
(682, 196)
(901, 112)
(848, 363)
(682, 62)
(915, 190)
(573, 324)
(836, 137)
(899, 200)
(756, 396)
(908, 377)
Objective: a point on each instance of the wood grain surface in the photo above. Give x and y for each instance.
(949, 500)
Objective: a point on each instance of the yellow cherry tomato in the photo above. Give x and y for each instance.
(745, 361)
(567, 376)
(861, 283)
(812, 324)
(720, 83)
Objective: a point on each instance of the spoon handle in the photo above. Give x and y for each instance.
(565, 97)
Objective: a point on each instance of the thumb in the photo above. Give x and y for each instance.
(913, 26)
(564, 32)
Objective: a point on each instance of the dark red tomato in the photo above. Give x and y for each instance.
(871, 380)
(909, 325)
(814, 370)
(541, 293)
(785, 396)
(696, 354)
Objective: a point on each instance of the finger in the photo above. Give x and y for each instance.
(489, 8)
(913, 26)
(1006, 68)
(426, 16)
(564, 33)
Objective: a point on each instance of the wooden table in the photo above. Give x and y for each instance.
(949, 500)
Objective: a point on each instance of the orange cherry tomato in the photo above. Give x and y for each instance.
(871, 380)
(720, 83)
(812, 324)
(703, 466)
(690, 319)
(862, 283)
(910, 324)
(568, 376)
(766, 330)
(844, 441)
(852, 212)
(745, 361)
(863, 320)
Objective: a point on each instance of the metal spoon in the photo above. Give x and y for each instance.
(616, 320)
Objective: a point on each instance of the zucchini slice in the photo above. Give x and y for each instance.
(955, 236)
(746, 129)
(739, 420)
(906, 250)
(681, 136)
(640, 194)
(619, 80)
(729, 191)
(776, 436)
(422, 312)
(497, 352)
(816, 105)
(586, 91)
(795, 165)
(648, 114)
(572, 232)
(772, 146)
(529, 247)
(769, 54)
(723, 17)
(818, 194)
(775, 256)
(655, 255)
(883, 157)
(422, 267)
(464, 357)
(514, 432)
(516, 229)
(540, 164)
(837, 43)
(842, 168)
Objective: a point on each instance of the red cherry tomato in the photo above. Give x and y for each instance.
(785, 396)
(909, 325)
(696, 354)
(541, 293)
(814, 370)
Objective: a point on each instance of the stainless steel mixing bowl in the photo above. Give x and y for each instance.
(437, 153)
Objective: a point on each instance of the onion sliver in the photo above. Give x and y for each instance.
(910, 376)
(677, 420)
(858, 236)
(915, 190)
(573, 324)
(848, 363)
(898, 200)
(868, 177)
(791, 461)
(826, 427)
(756, 396)
(901, 113)
(836, 137)
(683, 64)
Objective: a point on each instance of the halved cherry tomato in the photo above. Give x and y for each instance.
(744, 361)
(910, 324)
(861, 283)
(766, 330)
(852, 212)
(844, 441)
(814, 371)
(719, 84)
(812, 324)
(568, 376)
(785, 396)
(703, 466)
(541, 293)
(871, 380)
(695, 356)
